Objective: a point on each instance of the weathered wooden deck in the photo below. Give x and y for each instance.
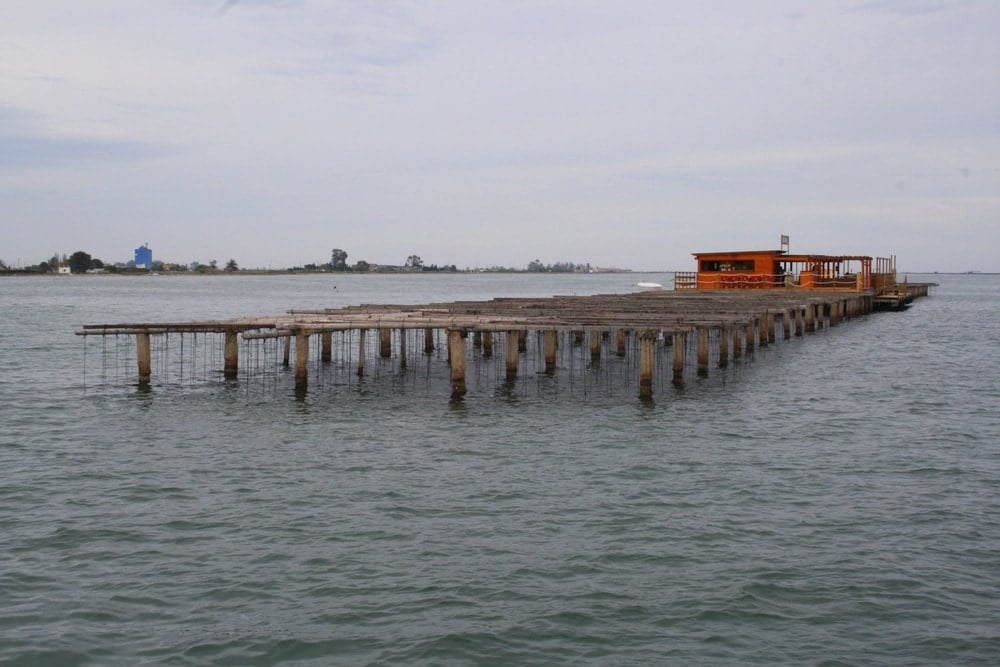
(736, 321)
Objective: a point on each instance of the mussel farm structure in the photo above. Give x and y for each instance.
(646, 334)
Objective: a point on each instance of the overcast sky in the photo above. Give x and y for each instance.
(485, 133)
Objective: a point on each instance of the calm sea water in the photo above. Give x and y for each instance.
(835, 500)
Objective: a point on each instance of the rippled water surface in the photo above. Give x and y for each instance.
(833, 500)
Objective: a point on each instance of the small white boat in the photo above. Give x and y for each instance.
(649, 286)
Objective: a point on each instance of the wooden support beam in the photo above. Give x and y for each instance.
(385, 342)
(739, 337)
(703, 351)
(620, 335)
(595, 343)
(428, 340)
(456, 352)
(301, 359)
(751, 336)
(769, 323)
(286, 357)
(487, 343)
(800, 321)
(761, 323)
(143, 357)
(326, 344)
(786, 323)
(810, 317)
(361, 351)
(511, 344)
(680, 343)
(723, 346)
(549, 345)
(647, 362)
(402, 348)
(522, 340)
(231, 355)
(578, 337)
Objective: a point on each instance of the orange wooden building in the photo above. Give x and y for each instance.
(777, 269)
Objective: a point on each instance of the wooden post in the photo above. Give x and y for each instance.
(288, 352)
(385, 343)
(620, 342)
(549, 345)
(595, 343)
(751, 336)
(723, 346)
(786, 323)
(487, 343)
(702, 351)
(326, 343)
(680, 342)
(739, 337)
(810, 317)
(143, 357)
(428, 341)
(522, 340)
(800, 320)
(456, 351)
(231, 354)
(511, 341)
(647, 358)
(769, 322)
(402, 348)
(301, 359)
(361, 351)
(578, 338)
(761, 323)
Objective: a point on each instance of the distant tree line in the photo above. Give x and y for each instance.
(536, 266)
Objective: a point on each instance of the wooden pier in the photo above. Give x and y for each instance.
(654, 322)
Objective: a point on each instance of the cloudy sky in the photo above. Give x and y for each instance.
(481, 132)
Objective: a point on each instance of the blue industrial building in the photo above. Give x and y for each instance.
(143, 257)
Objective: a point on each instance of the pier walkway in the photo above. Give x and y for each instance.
(644, 324)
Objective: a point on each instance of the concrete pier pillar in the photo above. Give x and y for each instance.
(301, 359)
(647, 361)
(703, 351)
(385, 343)
(361, 351)
(428, 340)
(549, 345)
(723, 346)
(402, 348)
(231, 354)
(456, 351)
(286, 357)
(620, 342)
(595, 343)
(326, 347)
(680, 343)
(511, 344)
(143, 357)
